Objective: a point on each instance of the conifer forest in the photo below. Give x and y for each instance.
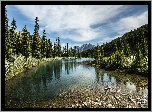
(126, 56)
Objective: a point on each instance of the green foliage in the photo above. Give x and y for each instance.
(36, 44)
(49, 50)
(57, 48)
(25, 43)
(128, 53)
(7, 37)
(13, 34)
(43, 45)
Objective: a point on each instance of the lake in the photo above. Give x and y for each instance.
(50, 80)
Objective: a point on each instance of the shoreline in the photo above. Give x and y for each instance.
(115, 70)
(88, 96)
(29, 65)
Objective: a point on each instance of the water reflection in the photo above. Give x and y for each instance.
(51, 79)
(69, 65)
(57, 69)
(103, 78)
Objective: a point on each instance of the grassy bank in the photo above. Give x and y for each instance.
(20, 64)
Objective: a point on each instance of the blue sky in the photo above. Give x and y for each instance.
(80, 24)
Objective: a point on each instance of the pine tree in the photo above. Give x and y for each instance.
(19, 46)
(13, 37)
(54, 50)
(36, 45)
(65, 51)
(58, 47)
(25, 43)
(43, 45)
(46, 47)
(49, 52)
(7, 37)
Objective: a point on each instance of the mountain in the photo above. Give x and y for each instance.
(84, 47)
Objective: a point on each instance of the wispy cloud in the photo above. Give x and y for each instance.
(127, 24)
(75, 22)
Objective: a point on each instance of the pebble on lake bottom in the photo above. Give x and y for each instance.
(85, 97)
(91, 98)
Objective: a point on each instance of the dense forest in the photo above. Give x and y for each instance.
(32, 45)
(31, 48)
(128, 53)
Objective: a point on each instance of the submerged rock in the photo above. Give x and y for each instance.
(77, 98)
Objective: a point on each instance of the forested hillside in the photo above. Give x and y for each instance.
(128, 53)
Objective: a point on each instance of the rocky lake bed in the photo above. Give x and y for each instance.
(72, 84)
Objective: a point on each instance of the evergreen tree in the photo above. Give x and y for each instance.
(54, 50)
(58, 47)
(43, 45)
(13, 37)
(19, 45)
(36, 45)
(7, 37)
(49, 52)
(65, 51)
(25, 43)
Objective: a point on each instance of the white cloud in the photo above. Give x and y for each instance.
(74, 21)
(79, 18)
(130, 23)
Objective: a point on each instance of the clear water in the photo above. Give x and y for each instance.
(52, 78)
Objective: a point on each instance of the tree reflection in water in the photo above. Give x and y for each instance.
(52, 78)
